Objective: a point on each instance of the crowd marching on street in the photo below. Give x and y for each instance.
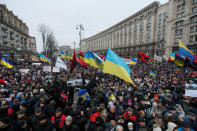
(45, 101)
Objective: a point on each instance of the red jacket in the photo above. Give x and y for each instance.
(62, 119)
(132, 117)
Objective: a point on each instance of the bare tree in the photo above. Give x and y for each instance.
(48, 40)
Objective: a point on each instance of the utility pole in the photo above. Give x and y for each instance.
(80, 27)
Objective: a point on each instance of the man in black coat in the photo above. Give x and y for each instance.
(69, 125)
(44, 124)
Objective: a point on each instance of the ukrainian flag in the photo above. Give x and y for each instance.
(152, 74)
(62, 53)
(184, 51)
(84, 94)
(116, 66)
(86, 58)
(6, 63)
(133, 61)
(147, 53)
(172, 56)
(44, 58)
(68, 56)
(95, 60)
(179, 60)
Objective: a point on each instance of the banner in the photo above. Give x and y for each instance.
(47, 68)
(56, 69)
(24, 71)
(157, 58)
(36, 64)
(191, 90)
(77, 82)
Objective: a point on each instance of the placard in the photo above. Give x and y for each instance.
(47, 68)
(56, 69)
(24, 71)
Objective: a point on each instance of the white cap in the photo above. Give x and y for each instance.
(130, 124)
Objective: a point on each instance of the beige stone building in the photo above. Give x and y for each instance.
(14, 34)
(151, 29)
(183, 24)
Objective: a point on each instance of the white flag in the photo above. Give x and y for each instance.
(60, 64)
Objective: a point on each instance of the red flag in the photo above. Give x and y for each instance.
(93, 116)
(74, 62)
(81, 62)
(3, 81)
(81, 56)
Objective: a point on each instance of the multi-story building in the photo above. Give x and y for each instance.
(14, 34)
(183, 24)
(156, 28)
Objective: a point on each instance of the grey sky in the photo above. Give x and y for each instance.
(63, 15)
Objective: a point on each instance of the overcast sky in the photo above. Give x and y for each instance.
(64, 15)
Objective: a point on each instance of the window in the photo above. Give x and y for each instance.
(160, 17)
(193, 29)
(179, 1)
(194, 1)
(194, 19)
(194, 10)
(180, 15)
(179, 23)
(149, 14)
(196, 38)
(180, 7)
(142, 18)
(165, 15)
(178, 32)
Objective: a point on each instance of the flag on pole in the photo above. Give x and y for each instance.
(60, 63)
(184, 51)
(6, 63)
(81, 57)
(86, 58)
(74, 62)
(95, 60)
(172, 56)
(44, 58)
(116, 66)
(63, 55)
(133, 61)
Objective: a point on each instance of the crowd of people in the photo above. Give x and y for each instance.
(44, 101)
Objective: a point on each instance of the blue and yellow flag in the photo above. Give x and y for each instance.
(133, 61)
(184, 51)
(179, 60)
(44, 58)
(147, 53)
(86, 58)
(68, 56)
(95, 60)
(152, 74)
(84, 94)
(172, 56)
(115, 65)
(63, 55)
(6, 63)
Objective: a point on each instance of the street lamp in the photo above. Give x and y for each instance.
(80, 27)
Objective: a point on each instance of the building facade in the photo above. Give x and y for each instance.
(14, 34)
(150, 29)
(183, 24)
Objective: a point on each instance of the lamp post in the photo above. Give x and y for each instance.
(80, 27)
